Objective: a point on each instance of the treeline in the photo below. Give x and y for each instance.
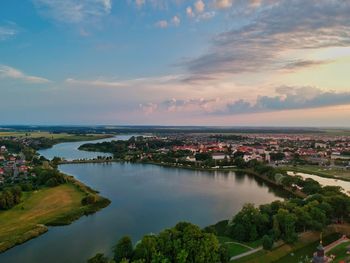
(12, 146)
(48, 177)
(44, 177)
(133, 146)
(285, 219)
(228, 137)
(184, 243)
(163, 129)
(10, 197)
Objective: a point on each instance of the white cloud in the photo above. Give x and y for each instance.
(189, 12)
(7, 31)
(139, 3)
(73, 11)
(97, 82)
(176, 21)
(199, 6)
(137, 82)
(205, 16)
(12, 73)
(148, 108)
(162, 24)
(222, 4)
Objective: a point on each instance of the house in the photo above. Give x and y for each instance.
(267, 157)
(219, 156)
(191, 158)
(3, 149)
(320, 145)
(23, 169)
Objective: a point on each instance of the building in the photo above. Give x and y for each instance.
(319, 255)
(3, 149)
(219, 156)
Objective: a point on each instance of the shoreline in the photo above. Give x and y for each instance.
(63, 219)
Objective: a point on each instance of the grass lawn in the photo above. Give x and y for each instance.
(234, 248)
(340, 252)
(290, 253)
(308, 250)
(28, 219)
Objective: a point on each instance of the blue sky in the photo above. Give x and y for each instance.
(175, 62)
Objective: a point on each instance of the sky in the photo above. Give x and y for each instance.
(175, 62)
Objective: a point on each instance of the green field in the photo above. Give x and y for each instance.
(50, 206)
(298, 252)
(340, 252)
(234, 248)
(54, 136)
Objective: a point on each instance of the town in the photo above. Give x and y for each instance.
(315, 153)
(13, 166)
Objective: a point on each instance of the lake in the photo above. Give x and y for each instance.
(145, 199)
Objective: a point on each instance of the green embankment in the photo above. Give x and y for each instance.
(49, 206)
(305, 247)
(340, 252)
(234, 248)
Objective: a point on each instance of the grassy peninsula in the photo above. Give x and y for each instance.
(58, 205)
(33, 193)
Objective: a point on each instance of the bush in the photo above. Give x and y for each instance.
(98, 258)
(123, 249)
(89, 200)
(267, 242)
(52, 182)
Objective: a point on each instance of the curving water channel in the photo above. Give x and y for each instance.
(145, 199)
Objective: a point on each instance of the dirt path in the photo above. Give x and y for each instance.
(246, 253)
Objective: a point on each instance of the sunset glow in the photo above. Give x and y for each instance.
(206, 62)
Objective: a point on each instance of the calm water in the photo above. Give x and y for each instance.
(70, 151)
(145, 199)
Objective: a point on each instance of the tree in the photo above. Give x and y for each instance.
(89, 199)
(98, 258)
(203, 157)
(287, 222)
(224, 254)
(123, 249)
(267, 242)
(146, 249)
(249, 224)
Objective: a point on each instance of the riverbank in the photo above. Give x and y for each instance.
(60, 205)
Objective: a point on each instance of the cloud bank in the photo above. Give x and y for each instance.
(272, 28)
(73, 11)
(12, 73)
